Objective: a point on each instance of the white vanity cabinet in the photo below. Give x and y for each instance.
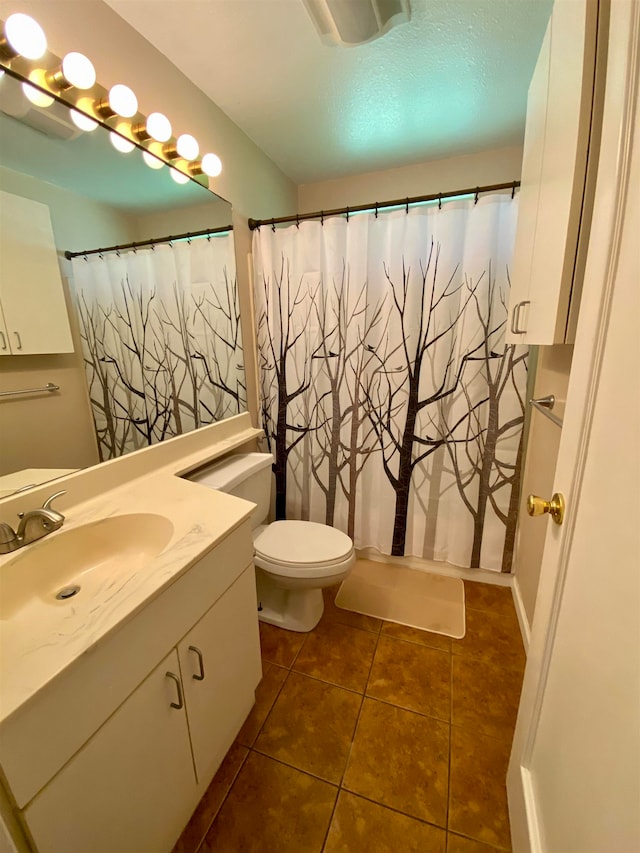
(552, 228)
(116, 753)
(127, 788)
(220, 672)
(33, 313)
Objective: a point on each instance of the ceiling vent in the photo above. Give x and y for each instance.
(53, 120)
(351, 22)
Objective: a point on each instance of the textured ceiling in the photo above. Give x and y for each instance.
(451, 81)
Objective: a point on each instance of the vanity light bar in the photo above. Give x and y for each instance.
(72, 81)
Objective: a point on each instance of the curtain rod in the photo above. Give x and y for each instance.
(205, 233)
(379, 205)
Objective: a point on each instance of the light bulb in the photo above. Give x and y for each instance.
(211, 165)
(78, 71)
(123, 101)
(151, 161)
(25, 36)
(187, 146)
(82, 121)
(158, 127)
(37, 98)
(179, 177)
(121, 144)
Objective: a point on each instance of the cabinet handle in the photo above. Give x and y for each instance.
(4, 341)
(17, 334)
(180, 703)
(515, 318)
(200, 663)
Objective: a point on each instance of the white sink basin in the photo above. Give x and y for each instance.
(71, 565)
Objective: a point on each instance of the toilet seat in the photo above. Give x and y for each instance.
(303, 549)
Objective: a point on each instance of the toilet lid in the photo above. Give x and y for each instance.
(299, 542)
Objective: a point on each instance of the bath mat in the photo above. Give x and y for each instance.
(408, 596)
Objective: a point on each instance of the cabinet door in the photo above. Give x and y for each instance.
(529, 196)
(31, 290)
(547, 247)
(131, 787)
(4, 335)
(220, 663)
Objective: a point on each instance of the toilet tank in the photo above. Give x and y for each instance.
(245, 475)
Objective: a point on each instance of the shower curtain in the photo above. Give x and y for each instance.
(389, 399)
(161, 340)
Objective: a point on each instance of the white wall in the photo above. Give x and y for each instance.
(495, 166)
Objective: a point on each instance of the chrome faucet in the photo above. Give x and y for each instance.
(33, 525)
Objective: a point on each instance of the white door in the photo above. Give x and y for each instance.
(574, 775)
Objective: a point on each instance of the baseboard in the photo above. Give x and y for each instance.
(523, 621)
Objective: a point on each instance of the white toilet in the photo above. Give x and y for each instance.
(294, 559)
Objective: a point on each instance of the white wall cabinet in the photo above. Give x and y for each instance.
(552, 230)
(33, 312)
(116, 753)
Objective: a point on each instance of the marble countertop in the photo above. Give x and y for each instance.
(43, 638)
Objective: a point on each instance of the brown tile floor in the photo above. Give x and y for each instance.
(370, 736)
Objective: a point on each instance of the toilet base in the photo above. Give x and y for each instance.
(292, 609)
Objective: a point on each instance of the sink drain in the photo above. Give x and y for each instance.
(67, 592)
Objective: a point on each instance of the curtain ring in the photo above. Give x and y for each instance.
(86, 259)
(100, 255)
(406, 209)
(273, 225)
(209, 237)
(376, 210)
(322, 217)
(188, 239)
(297, 221)
(135, 250)
(513, 191)
(439, 201)
(118, 252)
(477, 194)
(347, 214)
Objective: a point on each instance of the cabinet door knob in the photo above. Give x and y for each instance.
(18, 340)
(180, 703)
(555, 507)
(199, 677)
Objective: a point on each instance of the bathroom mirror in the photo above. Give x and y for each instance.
(97, 198)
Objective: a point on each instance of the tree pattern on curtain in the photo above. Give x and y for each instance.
(161, 341)
(392, 406)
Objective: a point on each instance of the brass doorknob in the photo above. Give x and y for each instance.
(555, 507)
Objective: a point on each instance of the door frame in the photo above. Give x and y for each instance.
(610, 203)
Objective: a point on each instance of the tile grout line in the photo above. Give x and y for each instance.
(353, 737)
(450, 748)
(223, 801)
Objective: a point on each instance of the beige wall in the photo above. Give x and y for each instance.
(180, 220)
(552, 377)
(454, 173)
